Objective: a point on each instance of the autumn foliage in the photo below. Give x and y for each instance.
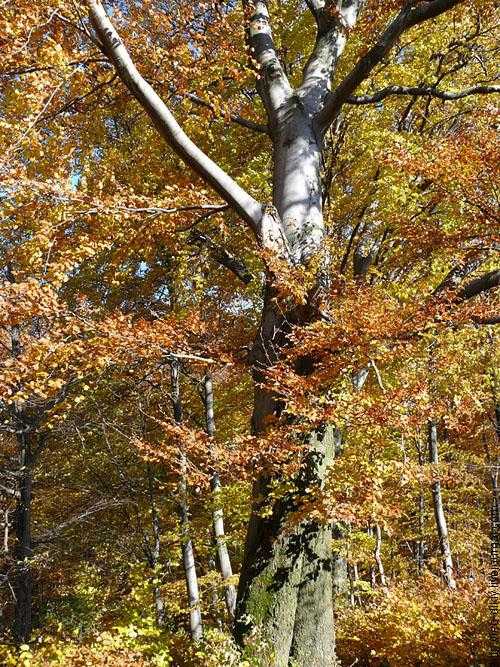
(117, 262)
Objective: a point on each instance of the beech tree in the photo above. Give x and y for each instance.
(350, 224)
(292, 229)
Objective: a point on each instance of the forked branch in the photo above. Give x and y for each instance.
(413, 13)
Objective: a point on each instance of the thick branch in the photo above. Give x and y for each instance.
(412, 14)
(426, 91)
(479, 285)
(272, 82)
(245, 205)
(223, 256)
(332, 22)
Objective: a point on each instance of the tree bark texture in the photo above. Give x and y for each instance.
(23, 576)
(155, 551)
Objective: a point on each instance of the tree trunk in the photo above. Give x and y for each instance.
(437, 502)
(314, 633)
(188, 560)
(223, 559)
(377, 555)
(159, 602)
(340, 575)
(494, 470)
(287, 572)
(420, 545)
(23, 576)
(280, 563)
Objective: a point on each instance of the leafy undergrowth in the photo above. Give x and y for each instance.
(417, 624)
(124, 647)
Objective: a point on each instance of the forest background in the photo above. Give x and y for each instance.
(249, 390)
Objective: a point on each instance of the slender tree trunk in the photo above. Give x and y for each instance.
(494, 470)
(159, 602)
(353, 580)
(352, 598)
(437, 502)
(188, 560)
(420, 550)
(377, 555)
(420, 545)
(218, 516)
(340, 575)
(23, 576)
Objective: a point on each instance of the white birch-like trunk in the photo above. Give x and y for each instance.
(437, 503)
(188, 560)
(377, 555)
(223, 558)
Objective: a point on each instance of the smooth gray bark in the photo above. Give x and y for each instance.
(437, 503)
(420, 543)
(188, 560)
(223, 558)
(249, 209)
(377, 555)
(155, 551)
(314, 632)
(286, 583)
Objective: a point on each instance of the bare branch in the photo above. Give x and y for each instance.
(223, 256)
(213, 208)
(79, 518)
(243, 203)
(413, 13)
(426, 91)
(234, 118)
